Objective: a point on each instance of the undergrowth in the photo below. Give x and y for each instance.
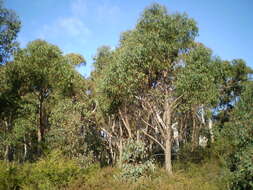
(55, 172)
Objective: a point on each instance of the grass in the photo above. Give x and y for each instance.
(56, 172)
(206, 176)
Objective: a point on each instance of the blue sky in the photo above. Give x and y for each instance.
(81, 26)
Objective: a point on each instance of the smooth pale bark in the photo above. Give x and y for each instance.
(194, 138)
(167, 152)
(6, 153)
(168, 137)
(40, 132)
(138, 135)
(210, 127)
(25, 151)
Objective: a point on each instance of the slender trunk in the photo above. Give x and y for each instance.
(168, 165)
(112, 153)
(40, 123)
(138, 135)
(8, 155)
(120, 153)
(25, 150)
(194, 134)
(168, 139)
(40, 132)
(125, 120)
(210, 127)
(120, 147)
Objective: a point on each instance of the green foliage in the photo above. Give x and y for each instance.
(10, 175)
(135, 160)
(39, 78)
(73, 132)
(187, 155)
(67, 175)
(196, 79)
(192, 177)
(235, 142)
(51, 172)
(9, 28)
(147, 55)
(75, 59)
(53, 117)
(242, 176)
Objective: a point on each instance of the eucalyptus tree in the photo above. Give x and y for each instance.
(9, 28)
(106, 114)
(145, 66)
(196, 81)
(40, 75)
(231, 77)
(235, 140)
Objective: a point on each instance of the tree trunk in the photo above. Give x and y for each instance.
(25, 149)
(40, 132)
(41, 120)
(210, 127)
(9, 153)
(167, 152)
(125, 120)
(120, 147)
(8, 156)
(138, 135)
(168, 130)
(193, 134)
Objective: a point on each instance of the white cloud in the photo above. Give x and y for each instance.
(73, 26)
(106, 12)
(79, 7)
(68, 27)
(71, 30)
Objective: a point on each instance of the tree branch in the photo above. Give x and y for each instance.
(154, 139)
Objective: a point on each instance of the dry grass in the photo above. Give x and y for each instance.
(195, 177)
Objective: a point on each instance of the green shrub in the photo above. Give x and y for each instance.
(242, 176)
(187, 154)
(10, 176)
(135, 161)
(51, 172)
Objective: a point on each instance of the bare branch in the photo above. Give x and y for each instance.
(154, 139)
(94, 108)
(175, 102)
(126, 124)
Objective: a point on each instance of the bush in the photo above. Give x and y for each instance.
(135, 161)
(10, 175)
(197, 155)
(51, 172)
(242, 177)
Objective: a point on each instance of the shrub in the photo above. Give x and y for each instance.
(242, 176)
(52, 172)
(10, 175)
(197, 155)
(135, 161)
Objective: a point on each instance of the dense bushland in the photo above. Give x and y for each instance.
(159, 111)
